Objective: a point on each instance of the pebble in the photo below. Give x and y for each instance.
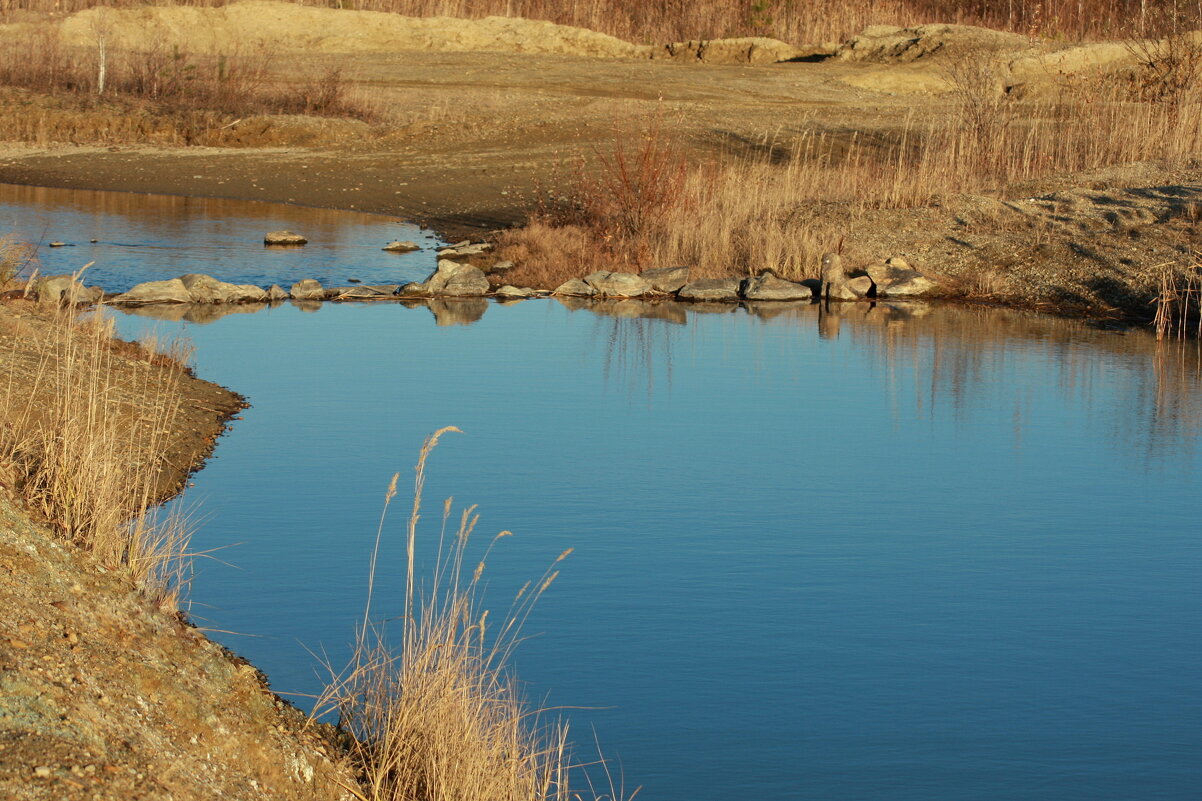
(42, 772)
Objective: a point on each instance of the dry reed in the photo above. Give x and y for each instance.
(85, 442)
(438, 715)
(815, 21)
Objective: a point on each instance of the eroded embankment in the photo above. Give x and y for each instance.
(104, 694)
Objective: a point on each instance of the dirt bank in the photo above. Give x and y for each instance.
(103, 695)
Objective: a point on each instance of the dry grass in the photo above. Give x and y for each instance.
(798, 22)
(434, 711)
(781, 209)
(1179, 301)
(16, 257)
(85, 442)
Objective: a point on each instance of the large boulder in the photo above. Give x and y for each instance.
(721, 290)
(307, 289)
(895, 278)
(617, 285)
(767, 286)
(457, 280)
(838, 285)
(207, 289)
(666, 279)
(575, 288)
(66, 289)
(275, 293)
(284, 238)
(170, 291)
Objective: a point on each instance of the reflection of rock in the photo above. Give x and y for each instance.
(456, 280)
(633, 308)
(767, 310)
(308, 306)
(458, 311)
(284, 238)
(711, 289)
(767, 286)
(201, 313)
(575, 288)
(170, 291)
(666, 279)
(573, 302)
(402, 247)
(895, 278)
(204, 313)
(620, 285)
(307, 289)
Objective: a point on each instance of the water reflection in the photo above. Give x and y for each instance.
(133, 237)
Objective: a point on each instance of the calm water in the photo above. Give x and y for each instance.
(889, 553)
(150, 237)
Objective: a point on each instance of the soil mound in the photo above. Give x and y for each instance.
(285, 27)
(889, 44)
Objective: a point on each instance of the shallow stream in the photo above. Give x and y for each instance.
(875, 552)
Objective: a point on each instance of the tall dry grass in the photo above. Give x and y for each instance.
(15, 257)
(85, 441)
(792, 200)
(433, 710)
(790, 20)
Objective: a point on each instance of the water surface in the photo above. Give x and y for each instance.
(871, 552)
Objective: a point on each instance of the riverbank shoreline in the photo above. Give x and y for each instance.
(108, 693)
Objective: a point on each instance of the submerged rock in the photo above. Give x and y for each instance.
(619, 285)
(712, 290)
(284, 238)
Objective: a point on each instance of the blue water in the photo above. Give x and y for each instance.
(150, 237)
(874, 553)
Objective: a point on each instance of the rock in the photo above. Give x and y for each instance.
(619, 285)
(207, 289)
(65, 289)
(767, 286)
(510, 291)
(837, 285)
(366, 292)
(896, 279)
(711, 289)
(501, 266)
(56, 244)
(171, 291)
(402, 247)
(666, 279)
(247, 293)
(464, 248)
(284, 238)
(575, 288)
(457, 280)
(414, 289)
(307, 289)
(275, 293)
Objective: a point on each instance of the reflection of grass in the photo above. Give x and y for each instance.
(85, 440)
(438, 715)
